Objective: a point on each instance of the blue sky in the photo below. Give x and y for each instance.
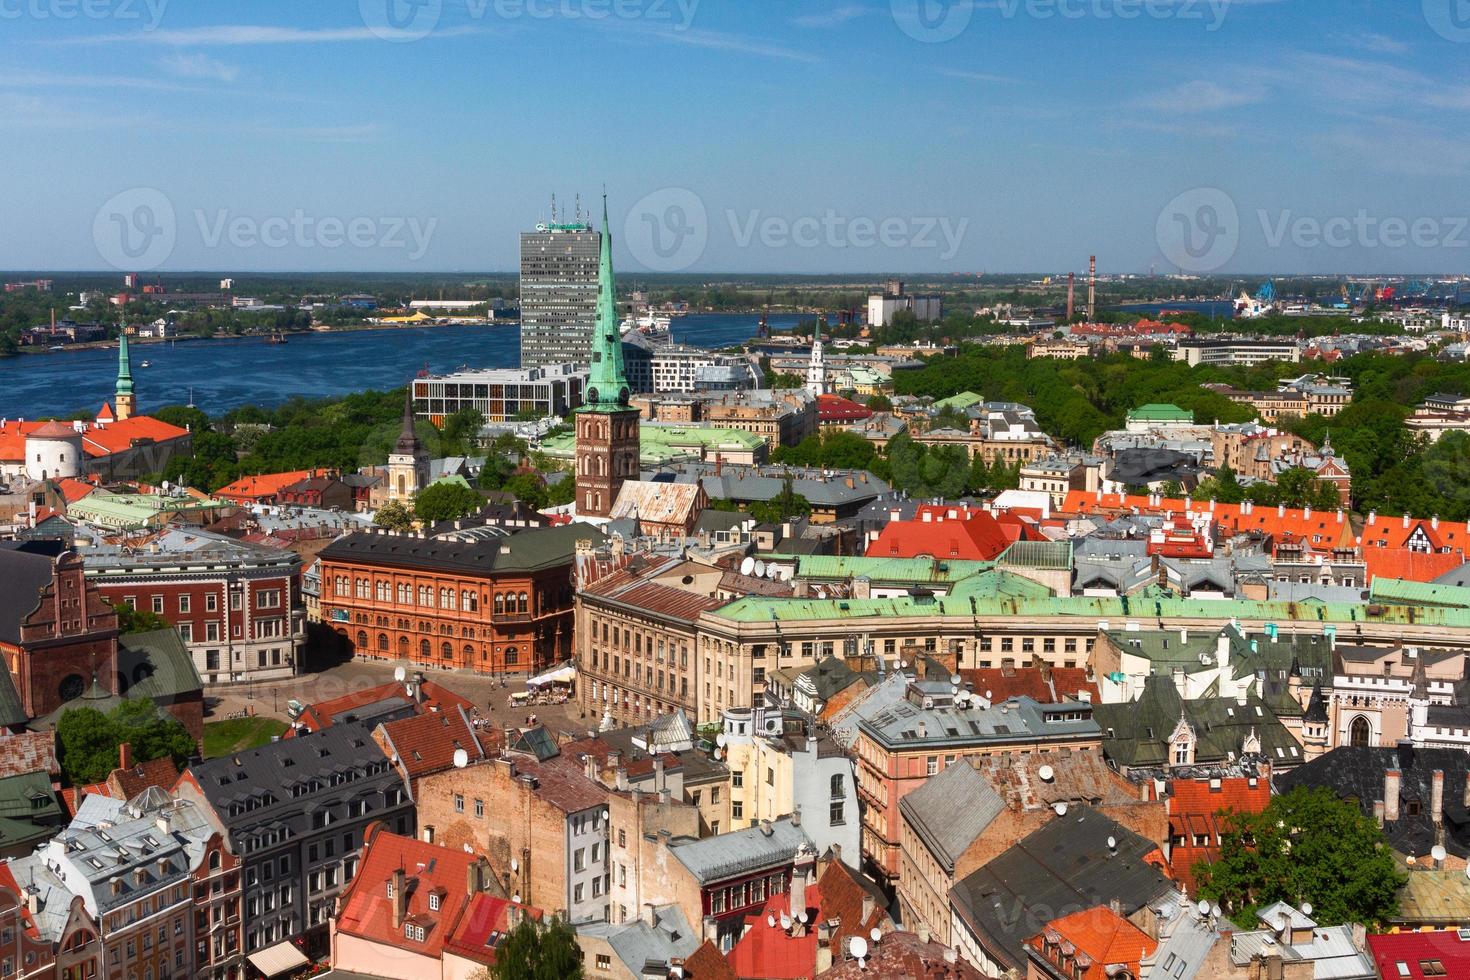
(780, 136)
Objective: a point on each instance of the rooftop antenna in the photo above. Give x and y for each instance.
(579, 208)
(553, 208)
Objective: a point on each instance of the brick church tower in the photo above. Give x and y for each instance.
(607, 426)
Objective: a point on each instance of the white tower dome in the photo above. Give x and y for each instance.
(54, 452)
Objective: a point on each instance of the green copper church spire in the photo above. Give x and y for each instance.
(607, 386)
(124, 364)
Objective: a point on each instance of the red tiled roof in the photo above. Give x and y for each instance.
(1411, 565)
(1195, 806)
(263, 487)
(974, 535)
(902, 954)
(1031, 682)
(484, 922)
(1105, 937)
(426, 743)
(770, 953)
(74, 490)
(105, 440)
(104, 414)
(318, 716)
(160, 772)
(367, 911)
(28, 752)
(835, 408)
(631, 589)
(708, 963)
(1415, 950)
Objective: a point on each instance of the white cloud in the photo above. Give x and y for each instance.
(835, 17)
(1202, 95)
(1374, 43)
(964, 75)
(235, 35)
(198, 66)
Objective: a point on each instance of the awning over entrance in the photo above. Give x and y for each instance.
(560, 675)
(278, 959)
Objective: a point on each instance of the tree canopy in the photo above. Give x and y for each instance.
(534, 952)
(446, 500)
(394, 516)
(1306, 846)
(87, 740)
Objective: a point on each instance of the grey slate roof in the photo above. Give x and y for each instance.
(22, 577)
(1019, 719)
(739, 852)
(522, 552)
(951, 810)
(1064, 867)
(638, 942)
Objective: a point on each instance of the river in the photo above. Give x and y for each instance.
(224, 374)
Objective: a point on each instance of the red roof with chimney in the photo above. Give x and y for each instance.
(367, 911)
(773, 953)
(426, 743)
(1004, 683)
(1101, 939)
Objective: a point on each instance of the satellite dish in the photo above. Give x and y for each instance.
(1112, 843)
(720, 740)
(801, 916)
(771, 920)
(956, 679)
(461, 758)
(747, 565)
(516, 898)
(1046, 773)
(1061, 808)
(1307, 906)
(773, 572)
(1215, 910)
(785, 921)
(400, 675)
(858, 947)
(515, 865)
(1438, 852)
(1203, 907)
(875, 935)
(760, 569)
(987, 695)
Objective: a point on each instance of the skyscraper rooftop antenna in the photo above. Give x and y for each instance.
(578, 218)
(553, 208)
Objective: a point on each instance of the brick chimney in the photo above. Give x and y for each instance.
(1392, 780)
(125, 755)
(400, 898)
(1436, 804)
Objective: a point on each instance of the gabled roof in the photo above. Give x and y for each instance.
(1105, 938)
(427, 743)
(1410, 955)
(323, 714)
(1136, 734)
(738, 852)
(262, 487)
(951, 810)
(977, 537)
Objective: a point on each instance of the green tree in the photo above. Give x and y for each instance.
(394, 516)
(446, 500)
(130, 620)
(87, 740)
(880, 403)
(529, 489)
(784, 506)
(1305, 846)
(461, 432)
(534, 952)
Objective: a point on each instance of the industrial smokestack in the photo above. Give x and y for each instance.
(1092, 289)
(1071, 293)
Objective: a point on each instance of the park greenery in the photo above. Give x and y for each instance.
(87, 740)
(1307, 845)
(131, 620)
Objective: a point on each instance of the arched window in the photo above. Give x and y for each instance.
(403, 647)
(424, 649)
(1359, 732)
(511, 656)
(499, 604)
(446, 650)
(362, 643)
(214, 860)
(383, 642)
(469, 653)
(525, 603)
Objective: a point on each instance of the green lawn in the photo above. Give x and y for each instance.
(225, 737)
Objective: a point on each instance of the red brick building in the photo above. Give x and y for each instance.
(501, 605)
(1199, 814)
(218, 946)
(238, 607)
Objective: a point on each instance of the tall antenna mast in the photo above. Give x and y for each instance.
(578, 219)
(553, 208)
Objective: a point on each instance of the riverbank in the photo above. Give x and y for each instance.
(313, 331)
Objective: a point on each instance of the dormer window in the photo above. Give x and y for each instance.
(434, 902)
(390, 889)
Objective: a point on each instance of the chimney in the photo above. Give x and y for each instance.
(796, 817)
(658, 774)
(1436, 803)
(124, 755)
(1392, 779)
(475, 877)
(400, 899)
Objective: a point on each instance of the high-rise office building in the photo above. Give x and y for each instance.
(558, 293)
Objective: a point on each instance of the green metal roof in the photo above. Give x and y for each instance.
(1397, 590)
(915, 571)
(659, 444)
(1161, 412)
(157, 664)
(132, 510)
(1050, 555)
(959, 402)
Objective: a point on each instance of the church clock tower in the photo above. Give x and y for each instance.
(607, 426)
(125, 400)
(408, 464)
